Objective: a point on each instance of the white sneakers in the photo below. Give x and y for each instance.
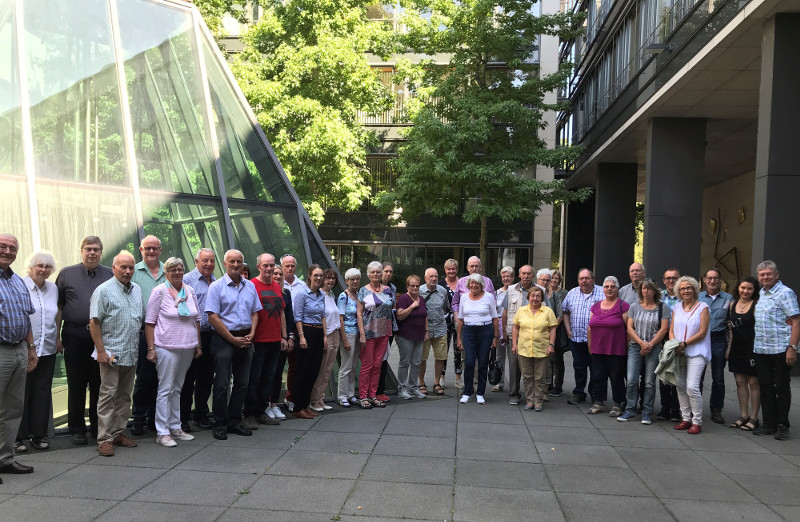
(274, 412)
(464, 399)
(480, 399)
(403, 394)
(166, 441)
(181, 435)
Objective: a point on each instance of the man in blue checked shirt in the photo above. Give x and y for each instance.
(576, 311)
(718, 302)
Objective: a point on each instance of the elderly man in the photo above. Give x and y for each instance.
(516, 298)
(116, 316)
(293, 284)
(76, 284)
(670, 408)
(148, 274)
(270, 340)
(17, 353)
(576, 311)
(474, 266)
(776, 344)
(232, 306)
(718, 302)
(629, 292)
(437, 303)
(200, 376)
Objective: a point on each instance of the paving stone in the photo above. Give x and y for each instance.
(130, 511)
(337, 442)
(643, 459)
(611, 506)
(91, 481)
(562, 435)
(787, 512)
(201, 488)
(258, 515)
(383, 499)
(503, 475)
(33, 507)
(314, 495)
(432, 409)
(493, 414)
(420, 427)
(591, 479)
(43, 471)
(73, 454)
(499, 450)
(551, 417)
(231, 460)
(267, 439)
(578, 455)
(688, 484)
(751, 463)
(421, 470)
(642, 439)
(319, 464)
(722, 442)
(413, 446)
(493, 432)
(351, 423)
(692, 510)
(481, 504)
(770, 490)
(149, 457)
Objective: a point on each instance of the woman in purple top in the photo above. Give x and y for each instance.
(412, 330)
(608, 344)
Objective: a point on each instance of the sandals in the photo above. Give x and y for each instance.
(437, 389)
(750, 425)
(377, 403)
(365, 403)
(595, 409)
(738, 423)
(423, 388)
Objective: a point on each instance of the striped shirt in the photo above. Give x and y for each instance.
(43, 320)
(200, 287)
(172, 330)
(15, 308)
(119, 310)
(774, 306)
(578, 305)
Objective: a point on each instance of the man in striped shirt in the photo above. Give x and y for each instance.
(115, 314)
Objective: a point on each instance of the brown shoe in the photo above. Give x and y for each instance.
(106, 449)
(263, 419)
(124, 441)
(311, 412)
(302, 414)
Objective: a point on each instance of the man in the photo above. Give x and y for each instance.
(17, 353)
(269, 341)
(629, 293)
(293, 284)
(576, 311)
(116, 316)
(438, 306)
(777, 336)
(670, 407)
(148, 274)
(201, 373)
(474, 266)
(76, 284)
(232, 306)
(516, 298)
(718, 303)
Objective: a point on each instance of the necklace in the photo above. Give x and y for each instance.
(743, 307)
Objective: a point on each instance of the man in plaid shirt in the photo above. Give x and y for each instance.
(576, 311)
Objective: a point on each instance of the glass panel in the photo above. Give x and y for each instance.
(75, 115)
(185, 227)
(11, 160)
(247, 169)
(161, 66)
(16, 217)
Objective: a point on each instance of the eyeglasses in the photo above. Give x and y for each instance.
(151, 249)
(11, 248)
(43, 267)
(413, 286)
(176, 270)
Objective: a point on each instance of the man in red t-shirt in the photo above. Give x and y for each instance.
(269, 340)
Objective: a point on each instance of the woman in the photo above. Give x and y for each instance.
(741, 361)
(555, 285)
(310, 322)
(374, 315)
(273, 411)
(412, 330)
(334, 331)
(507, 277)
(533, 340)
(348, 315)
(648, 325)
(172, 331)
(386, 279)
(450, 283)
(608, 342)
(476, 333)
(39, 382)
(690, 320)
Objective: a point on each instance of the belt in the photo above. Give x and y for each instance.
(15, 343)
(479, 324)
(239, 333)
(77, 325)
(313, 325)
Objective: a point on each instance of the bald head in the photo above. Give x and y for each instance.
(474, 265)
(637, 274)
(122, 266)
(431, 278)
(151, 251)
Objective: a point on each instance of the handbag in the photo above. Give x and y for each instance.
(495, 370)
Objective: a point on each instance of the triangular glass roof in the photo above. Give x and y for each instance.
(182, 158)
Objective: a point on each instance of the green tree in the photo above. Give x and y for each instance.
(474, 140)
(305, 73)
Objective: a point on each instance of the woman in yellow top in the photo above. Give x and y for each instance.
(533, 339)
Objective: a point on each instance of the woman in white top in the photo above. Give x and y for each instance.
(334, 330)
(690, 320)
(38, 384)
(477, 332)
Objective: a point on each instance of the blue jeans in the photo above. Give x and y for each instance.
(719, 344)
(477, 340)
(581, 361)
(634, 367)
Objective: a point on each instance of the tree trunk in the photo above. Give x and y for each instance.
(482, 244)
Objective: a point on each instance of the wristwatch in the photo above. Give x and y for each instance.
(793, 346)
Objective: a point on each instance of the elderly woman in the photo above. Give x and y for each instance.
(412, 331)
(690, 320)
(334, 331)
(477, 332)
(386, 279)
(38, 383)
(507, 277)
(273, 411)
(648, 325)
(347, 303)
(450, 283)
(741, 359)
(310, 321)
(554, 370)
(608, 345)
(374, 313)
(533, 340)
(172, 331)
(555, 285)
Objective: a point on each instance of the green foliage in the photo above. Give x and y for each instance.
(305, 73)
(214, 10)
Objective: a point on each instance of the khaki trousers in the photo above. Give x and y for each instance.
(114, 402)
(534, 370)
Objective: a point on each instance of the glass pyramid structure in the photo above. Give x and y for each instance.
(120, 118)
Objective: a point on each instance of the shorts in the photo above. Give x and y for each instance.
(439, 348)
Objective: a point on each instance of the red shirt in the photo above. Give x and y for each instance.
(268, 329)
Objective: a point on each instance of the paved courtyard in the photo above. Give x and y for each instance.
(430, 459)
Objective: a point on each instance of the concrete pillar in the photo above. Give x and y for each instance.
(673, 206)
(580, 240)
(615, 220)
(777, 181)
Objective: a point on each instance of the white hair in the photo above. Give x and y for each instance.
(544, 271)
(351, 273)
(613, 279)
(375, 265)
(477, 278)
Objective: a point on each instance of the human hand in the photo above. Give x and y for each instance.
(791, 356)
(152, 356)
(104, 359)
(33, 360)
